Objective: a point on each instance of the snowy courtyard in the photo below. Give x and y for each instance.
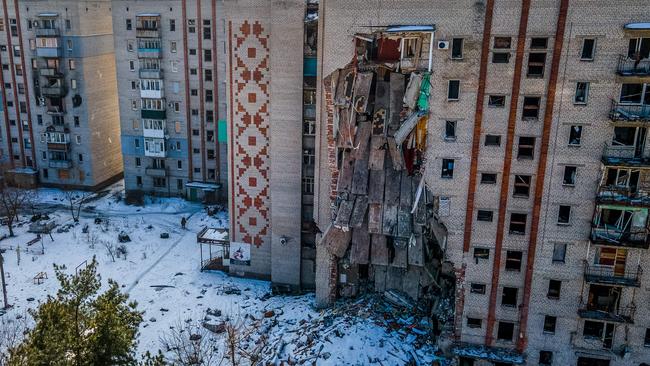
(163, 276)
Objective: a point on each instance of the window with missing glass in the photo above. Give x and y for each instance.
(549, 324)
(588, 49)
(559, 252)
(582, 92)
(513, 259)
(447, 168)
(496, 100)
(453, 90)
(564, 215)
(492, 140)
(477, 288)
(484, 215)
(457, 48)
(450, 130)
(481, 253)
(526, 147)
(569, 178)
(517, 224)
(531, 108)
(521, 186)
(575, 135)
(488, 178)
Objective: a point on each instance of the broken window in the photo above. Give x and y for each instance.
(477, 288)
(518, 224)
(509, 297)
(473, 322)
(411, 47)
(496, 100)
(531, 108)
(505, 331)
(447, 168)
(631, 93)
(522, 186)
(500, 57)
(600, 331)
(539, 43)
(484, 215)
(488, 178)
(569, 175)
(481, 253)
(559, 252)
(624, 136)
(575, 135)
(526, 147)
(450, 130)
(588, 49)
(545, 358)
(646, 339)
(554, 287)
(564, 215)
(638, 48)
(457, 48)
(492, 140)
(513, 260)
(453, 90)
(503, 42)
(549, 324)
(536, 62)
(582, 92)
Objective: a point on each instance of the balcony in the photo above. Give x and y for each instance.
(156, 172)
(607, 235)
(54, 110)
(629, 68)
(607, 312)
(48, 52)
(149, 53)
(153, 133)
(624, 156)
(153, 114)
(47, 32)
(152, 94)
(609, 275)
(147, 33)
(54, 91)
(629, 114)
(616, 195)
(151, 74)
(60, 164)
(50, 73)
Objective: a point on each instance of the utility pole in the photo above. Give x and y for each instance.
(4, 282)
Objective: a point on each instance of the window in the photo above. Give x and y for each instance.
(526, 147)
(307, 185)
(209, 97)
(78, 139)
(496, 100)
(559, 252)
(450, 130)
(522, 186)
(588, 49)
(308, 157)
(308, 127)
(646, 340)
(509, 297)
(554, 287)
(500, 57)
(73, 84)
(481, 253)
(138, 181)
(457, 48)
(136, 143)
(129, 24)
(539, 43)
(159, 182)
(633, 94)
(503, 42)
(447, 168)
(172, 25)
(536, 62)
(531, 108)
(195, 132)
(179, 184)
(192, 51)
(492, 140)
(638, 48)
(477, 288)
(194, 92)
(564, 215)
(130, 45)
(68, 24)
(71, 64)
(484, 215)
(582, 92)
(453, 90)
(518, 223)
(575, 135)
(569, 175)
(488, 178)
(208, 74)
(593, 329)
(473, 322)
(131, 65)
(549, 324)
(513, 258)
(505, 331)
(193, 71)
(624, 136)
(138, 162)
(207, 33)
(172, 47)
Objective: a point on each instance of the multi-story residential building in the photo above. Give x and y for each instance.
(534, 154)
(59, 104)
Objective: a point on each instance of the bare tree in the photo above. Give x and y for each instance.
(12, 200)
(190, 344)
(110, 248)
(11, 333)
(75, 200)
(4, 283)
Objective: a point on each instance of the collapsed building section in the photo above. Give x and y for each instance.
(384, 233)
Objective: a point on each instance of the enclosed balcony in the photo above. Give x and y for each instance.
(50, 72)
(60, 164)
(48, 32)
(154, 147)
(613, 275)
(57, 141)
(149, 52)
(48, 52)
(153, 114)
(151, 74)
(153, 128)
(604, 303)
(156, 172)
(147, 25)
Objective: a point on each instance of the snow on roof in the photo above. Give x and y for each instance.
(214, 234)
(638, 26)
(411, 28)
(48, 15)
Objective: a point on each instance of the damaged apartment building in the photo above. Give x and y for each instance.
(492, 155)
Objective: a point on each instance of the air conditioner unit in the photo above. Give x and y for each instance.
(443, 45)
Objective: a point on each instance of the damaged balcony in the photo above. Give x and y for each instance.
(613, 275)
(636, 66)
(620, 226)
(629, 114)
(630, 155)
(56, 90)
(147, 26)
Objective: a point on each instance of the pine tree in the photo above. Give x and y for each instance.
(80, 327)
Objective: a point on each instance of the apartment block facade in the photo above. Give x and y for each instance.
(536, 158)
(59, 107)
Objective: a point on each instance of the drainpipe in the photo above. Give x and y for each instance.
(431, 50)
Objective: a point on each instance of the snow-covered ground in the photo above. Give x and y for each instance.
(163, 276)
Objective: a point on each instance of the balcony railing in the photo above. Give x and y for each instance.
(55, 110)
(629, 113)
(608, 235)
(608, 312)
(147, 33)
(631, 67)
(623, 196)
(149, 52)
(153, 114)
(156, 172)
(48, 72)
(151, 74)
(60, 164)
(624, 156)
(609, 275)
(48, 52)
(54, 91)
(47, 32)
